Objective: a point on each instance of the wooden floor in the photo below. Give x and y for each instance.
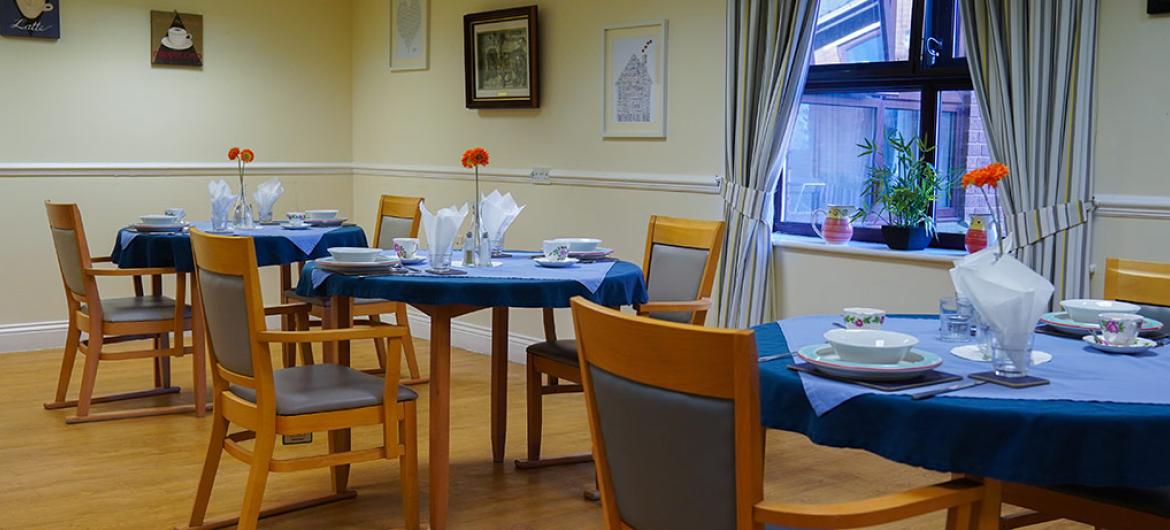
(141, 473)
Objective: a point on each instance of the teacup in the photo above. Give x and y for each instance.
(296, 218)
(178, 36)
(555, 249)
(1120, 329)
(863, 317)
(406, 247)
(178, 213)
(31, 9)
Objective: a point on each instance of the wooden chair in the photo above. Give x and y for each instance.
(674, 410)
(302, 399)
(680, 261)
(397, 217)
(112, 320)
(1146, 283)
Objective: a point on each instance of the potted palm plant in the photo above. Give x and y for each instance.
(901, 195)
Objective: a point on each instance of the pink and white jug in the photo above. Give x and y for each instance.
(837, 226)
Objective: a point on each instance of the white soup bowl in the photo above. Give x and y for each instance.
(355, 254)
(321, 215)
(870, 345)
(1090, 311)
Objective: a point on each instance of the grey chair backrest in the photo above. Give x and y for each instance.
(226, 310)
(69, 258)
(675, 275)
(1156, 312)
(671, 455)
(391, 228)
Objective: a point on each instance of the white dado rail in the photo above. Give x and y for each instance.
(168, 169)
(1133, 206)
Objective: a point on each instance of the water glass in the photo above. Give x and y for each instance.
(441, 259)
(983, 339)
(265, 215)
(955, 318)
(219, 223)
(1011, 362)
(498, 245)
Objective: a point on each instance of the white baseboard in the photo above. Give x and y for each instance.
(32, 336)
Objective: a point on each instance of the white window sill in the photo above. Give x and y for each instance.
(862, 249)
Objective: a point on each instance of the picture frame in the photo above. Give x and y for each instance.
(501, 56)
(38, 19)
(634, 80)
(409, 35)
(1157, 7)
(176, 39)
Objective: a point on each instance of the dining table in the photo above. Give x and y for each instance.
(1100, 422)
(275, 246)
(515, 281)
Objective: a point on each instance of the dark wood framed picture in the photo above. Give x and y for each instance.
(1156, 7)
(501, 61)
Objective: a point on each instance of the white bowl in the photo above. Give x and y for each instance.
(870, 345)
(321, 215)
(157, 219)
(1088, 310)
(581, 244)
(355, 254)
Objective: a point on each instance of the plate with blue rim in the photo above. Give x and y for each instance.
(916, 363)
(1060, 321)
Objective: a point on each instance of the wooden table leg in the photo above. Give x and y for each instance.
(341, 308)
(499, 400)
(198, 349)
(440, 412)
(339, 440)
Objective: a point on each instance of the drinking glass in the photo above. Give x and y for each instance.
(219, 223)
(955, 318)
(983, 339)
(1011, 362)
(441, 259)
(498, 245)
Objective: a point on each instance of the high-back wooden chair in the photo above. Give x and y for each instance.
(297, 400)
(1146, 283)
(397, 217)
(679, 264)
(674, 411)
(113, 320)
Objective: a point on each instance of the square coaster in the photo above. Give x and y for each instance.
(933, 377)
(448, 272)
(1010, 382)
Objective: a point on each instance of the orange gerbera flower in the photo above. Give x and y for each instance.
(247, 155)
(988, 175)
(233, 153)
(476, 156)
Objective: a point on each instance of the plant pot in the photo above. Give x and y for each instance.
(905, 237)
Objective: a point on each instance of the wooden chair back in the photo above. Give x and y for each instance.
(682, 240)
(397, 217)
(228, 280)
(1139, 282)
(73, 257)
(696, 460)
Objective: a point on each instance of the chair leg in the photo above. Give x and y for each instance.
(408, 464)
(401, 319)
(339, 443)
(262, 451)
(72, 337)
(535, 411)
(379, 344)
(164, 362)
(219, 429)
(93, 351)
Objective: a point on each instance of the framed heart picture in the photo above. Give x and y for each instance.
(501, 59)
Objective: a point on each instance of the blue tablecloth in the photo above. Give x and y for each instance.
(1028, 441)
(623, 285)
(174, 250)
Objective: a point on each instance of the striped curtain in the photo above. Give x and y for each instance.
(768, 49)
(1032, 65)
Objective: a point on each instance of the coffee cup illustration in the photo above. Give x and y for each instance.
(32, 9)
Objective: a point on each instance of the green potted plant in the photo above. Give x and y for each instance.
(902, 194)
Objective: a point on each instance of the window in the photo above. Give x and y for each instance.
(871, 77)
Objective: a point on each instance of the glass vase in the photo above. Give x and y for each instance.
(242, 210)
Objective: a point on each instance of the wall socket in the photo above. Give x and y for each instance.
(540, 175)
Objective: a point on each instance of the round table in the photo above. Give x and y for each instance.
(446, 297)
(173, 250)
(1059, 442)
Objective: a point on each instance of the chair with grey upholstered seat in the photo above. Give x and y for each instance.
(679, 262)
(106, 321)
(682, 448)
(290, 401)
(397, 217)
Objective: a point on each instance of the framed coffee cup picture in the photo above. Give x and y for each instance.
(30, 18)
(176, 39)
(501, 59)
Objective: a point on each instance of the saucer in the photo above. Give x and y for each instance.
(382, 263)
(1062, 322)
(290, 226)
(1139, 345)
(971, 353)
(825, 359)
(598, 253)
(554, 264)
(414, 261)
(166, 41)
(143, 227)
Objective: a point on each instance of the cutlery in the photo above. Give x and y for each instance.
(953, 388)
(840, 325)
(776, 357)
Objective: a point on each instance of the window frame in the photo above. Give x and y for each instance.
(930, 19)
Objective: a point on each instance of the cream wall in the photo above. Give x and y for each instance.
(276, 78)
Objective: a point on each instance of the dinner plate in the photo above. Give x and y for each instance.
(1061, 322)
(1140, 345)
(290, 226)
(555, 264)
(177, 227)
(598, 253)
(825, 359)
(326, 222)
(382, 263)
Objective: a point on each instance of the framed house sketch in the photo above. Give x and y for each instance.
(409, 24)
(634, 80)
(501, 59)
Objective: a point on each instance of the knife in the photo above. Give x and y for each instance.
(776, 357)
(953, 388)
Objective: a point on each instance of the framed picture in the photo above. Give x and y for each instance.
(176, 38)
(31, 18)
(409, 23)
(634, 80)
(1155, 7)
(501, 60)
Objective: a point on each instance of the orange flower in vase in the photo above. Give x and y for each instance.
(475, 157)
(242, 211)
(982, 228)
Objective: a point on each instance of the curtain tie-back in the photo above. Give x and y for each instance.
(748, 202)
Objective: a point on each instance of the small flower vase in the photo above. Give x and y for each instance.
(242, 210)
(980, 232)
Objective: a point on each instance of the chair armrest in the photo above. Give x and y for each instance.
(102, 259)
(93, 271)
(287, 309)
(385, 331)
(701, 304)
(873, 511)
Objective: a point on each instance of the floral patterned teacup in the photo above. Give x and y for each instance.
(863, 317)
(1120, 329)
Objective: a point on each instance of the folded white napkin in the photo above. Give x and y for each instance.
(497, 212)
(222, 199)
(266, 195)
(1009, 296)
(442, 226)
